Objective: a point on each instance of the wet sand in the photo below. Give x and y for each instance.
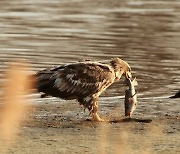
(65, 128)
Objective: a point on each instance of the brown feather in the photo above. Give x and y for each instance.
(82, 80)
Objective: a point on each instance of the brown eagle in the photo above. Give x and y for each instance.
(84, 81)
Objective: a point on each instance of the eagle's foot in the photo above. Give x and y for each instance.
(93, 112)
(95, 117)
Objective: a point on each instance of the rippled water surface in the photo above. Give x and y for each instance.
(146, 34)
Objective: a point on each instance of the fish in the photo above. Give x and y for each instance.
(130, 97)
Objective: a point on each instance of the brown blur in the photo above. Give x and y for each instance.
(14, 106)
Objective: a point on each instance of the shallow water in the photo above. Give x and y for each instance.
(143, 33)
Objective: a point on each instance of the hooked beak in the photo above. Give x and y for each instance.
(128, 75)
(125, 83)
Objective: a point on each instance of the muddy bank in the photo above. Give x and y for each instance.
(65, 128)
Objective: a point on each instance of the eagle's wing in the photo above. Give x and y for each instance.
(82, 78)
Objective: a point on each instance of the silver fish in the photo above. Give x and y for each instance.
(130, 97)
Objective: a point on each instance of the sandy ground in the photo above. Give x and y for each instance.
(65, 128)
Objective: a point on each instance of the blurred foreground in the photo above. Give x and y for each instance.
(14, 106)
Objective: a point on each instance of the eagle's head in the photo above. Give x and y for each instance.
(121, 68)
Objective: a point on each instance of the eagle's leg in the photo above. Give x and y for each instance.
(94, 110)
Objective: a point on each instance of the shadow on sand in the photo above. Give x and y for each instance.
(131, 120)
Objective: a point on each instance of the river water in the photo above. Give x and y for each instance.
(145, 33)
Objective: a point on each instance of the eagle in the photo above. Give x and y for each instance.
(83, 81)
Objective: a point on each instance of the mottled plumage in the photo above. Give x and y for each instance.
(83, 81)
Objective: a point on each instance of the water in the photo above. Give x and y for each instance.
(143, 33)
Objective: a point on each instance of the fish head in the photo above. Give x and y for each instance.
(130, 106)
(128, 82)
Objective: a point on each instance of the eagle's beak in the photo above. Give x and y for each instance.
(128, 75)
